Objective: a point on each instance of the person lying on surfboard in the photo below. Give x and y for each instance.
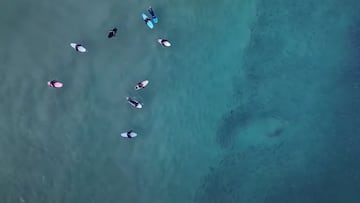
(129, 134)
(140, 85)
(147, 20)
(55, 84)
(152, 13)
(164, 42)
(134, 103)
(78, 47)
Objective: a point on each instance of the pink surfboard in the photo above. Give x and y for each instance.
(55, 84)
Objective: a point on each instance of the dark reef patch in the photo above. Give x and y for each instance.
(237, 174)
(231, 122)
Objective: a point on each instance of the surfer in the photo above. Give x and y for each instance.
(134, 103)
(77, 47)
(147, 20)
(152, 13)
(164, 42)
(55, 84)
(140, 85)
(112, 33)
(129, 134)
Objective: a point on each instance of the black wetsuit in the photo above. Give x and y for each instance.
(134, 102)
(52, 83)
(112, 33)
(162, 42)
(146, 20)
(77, 47)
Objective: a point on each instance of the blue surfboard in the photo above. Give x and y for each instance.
(147, 21)
(154, 17)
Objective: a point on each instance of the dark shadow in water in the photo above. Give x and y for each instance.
(276, 133)
(231, 122)
(237, 174)
(235, 120)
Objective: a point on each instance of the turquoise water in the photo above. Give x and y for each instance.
(256, 102)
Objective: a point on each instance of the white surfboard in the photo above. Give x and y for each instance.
(131, 135)
(164, 42)
(134, 103)
(78, 47)
(141, 85)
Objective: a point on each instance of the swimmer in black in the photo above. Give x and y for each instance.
(52, 83)
(134, 102)
(163, 41)
(129, 134)
(147, 20)
(112, 33)
(77, 47)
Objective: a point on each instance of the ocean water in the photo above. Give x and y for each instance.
(256, 102)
